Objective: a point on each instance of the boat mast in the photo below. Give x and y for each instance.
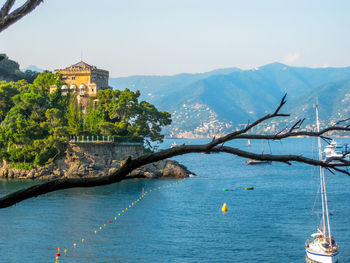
(327, 213)
(263, 142)
(323, 184)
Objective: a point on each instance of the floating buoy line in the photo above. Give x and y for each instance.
(110, 221)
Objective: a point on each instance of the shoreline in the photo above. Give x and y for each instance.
(97, 160)
(194, 138)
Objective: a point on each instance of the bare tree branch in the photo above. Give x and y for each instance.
(283, 101)
(6, 8)
(281, 131)
(345, 120)
(326, 139)
(297, 125)
(232, 135)
(291, 134)
(341, 170)
(7, 19)
(212, 146)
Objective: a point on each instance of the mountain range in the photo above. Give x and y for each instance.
(219, 101)
(32, 68)
(222, 100)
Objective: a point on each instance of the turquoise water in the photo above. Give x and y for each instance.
(184, 222)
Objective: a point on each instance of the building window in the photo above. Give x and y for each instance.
(73, 78)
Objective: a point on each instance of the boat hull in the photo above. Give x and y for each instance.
(321, 257)
(257, 162)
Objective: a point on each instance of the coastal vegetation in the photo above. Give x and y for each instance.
(9, 71)
(35, 121)
(217, 145)
(36, 124)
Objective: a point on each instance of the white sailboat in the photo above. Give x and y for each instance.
(248, 143)
(322, 248)
(333, 151)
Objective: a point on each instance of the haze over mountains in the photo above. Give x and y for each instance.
(217, 102)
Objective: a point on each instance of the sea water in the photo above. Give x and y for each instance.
(183, 222)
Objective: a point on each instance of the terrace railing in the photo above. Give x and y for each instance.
(101, 140)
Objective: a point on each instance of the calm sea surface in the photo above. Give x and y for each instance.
(184, 222)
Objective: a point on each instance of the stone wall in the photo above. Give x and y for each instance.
(92, 159)
(103, 153)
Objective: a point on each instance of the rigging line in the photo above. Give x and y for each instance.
(269, 146)
(316, 198)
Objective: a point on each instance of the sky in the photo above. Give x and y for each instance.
(166, 37)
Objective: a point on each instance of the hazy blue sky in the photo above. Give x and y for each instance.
(160, 37)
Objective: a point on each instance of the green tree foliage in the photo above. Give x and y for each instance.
(7, 91)
(129, 117)
(149, 121)
(30, 75)
(32, 127)
(35, 124)
(47, 79)
(74, 116)
(92, 120)
(9, 71)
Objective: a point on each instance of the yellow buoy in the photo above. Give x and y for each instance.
(65, 251)
(224, 208)
(82, 240)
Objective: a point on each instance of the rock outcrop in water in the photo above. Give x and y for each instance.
(91, 160)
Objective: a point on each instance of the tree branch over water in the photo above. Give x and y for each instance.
(215, 146)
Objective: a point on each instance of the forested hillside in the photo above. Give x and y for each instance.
(219, 101)
(36, 121)
(9, 71)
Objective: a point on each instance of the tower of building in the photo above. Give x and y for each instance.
(83, 78)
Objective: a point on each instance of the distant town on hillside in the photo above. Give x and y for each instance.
(212, 103)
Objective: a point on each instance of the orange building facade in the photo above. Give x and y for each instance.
(84, 78)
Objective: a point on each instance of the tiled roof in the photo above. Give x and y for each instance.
(80, 66)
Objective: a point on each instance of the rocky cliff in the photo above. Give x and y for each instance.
(91, 160)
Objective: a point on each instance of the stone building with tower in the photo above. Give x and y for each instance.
(85, 80)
